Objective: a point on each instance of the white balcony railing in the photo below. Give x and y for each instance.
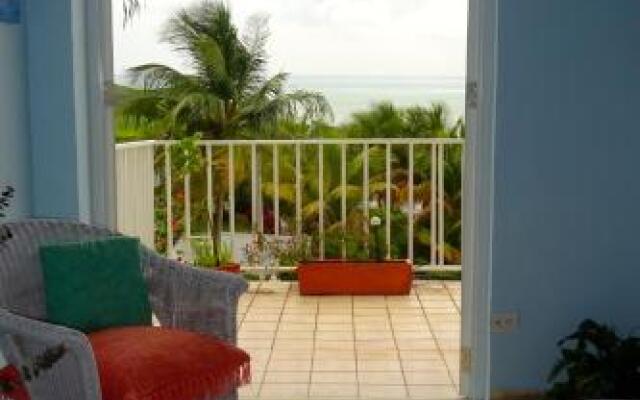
(145, 169)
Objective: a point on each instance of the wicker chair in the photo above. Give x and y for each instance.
(181, 297)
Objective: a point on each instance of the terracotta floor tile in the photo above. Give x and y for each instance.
(289, 365)
(284, 391)
(259, 326)
(420, 355)
(330, 391)
(373, 334)
(290, 326)
(334, 365)
(335, 318)
(379, 365)
(435, 377)
(433, 392)
(334, 327)
(298, 318)
(436, 364)
(297, 335)
(328, 355)
(330, 335)
(367, 354)
(339, 347)
(255, 343)
(287, 377)
(386, 392)
(416, 344)
(334, 377)
(380, 377)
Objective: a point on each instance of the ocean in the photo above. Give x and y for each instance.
(349, 94)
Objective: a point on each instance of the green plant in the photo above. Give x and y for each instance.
(294, 250)
(187, 155)
(229, 91)
(596, 363)
(205, 254)
(288, 276)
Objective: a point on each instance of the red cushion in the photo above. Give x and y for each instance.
(150, 363)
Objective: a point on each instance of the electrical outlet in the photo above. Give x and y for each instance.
(504, 322)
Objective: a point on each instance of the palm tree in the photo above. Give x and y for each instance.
(228, 94)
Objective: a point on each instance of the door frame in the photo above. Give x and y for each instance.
(478, 171)
(101, 146)
(478, 189)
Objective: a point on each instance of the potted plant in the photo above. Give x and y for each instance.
(357, 277)
(208, 255)
(596, 363)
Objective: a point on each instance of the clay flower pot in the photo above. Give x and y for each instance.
(341, 277)
(233, 268)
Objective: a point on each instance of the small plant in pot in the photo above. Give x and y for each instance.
(596, 363)
(207, 255)
(357, 277)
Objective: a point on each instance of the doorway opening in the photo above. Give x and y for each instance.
(370, 124)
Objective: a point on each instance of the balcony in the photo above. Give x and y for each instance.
(322, 189)
(314, 347)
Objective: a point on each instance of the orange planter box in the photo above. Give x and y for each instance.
(338, 277)
(233, 268)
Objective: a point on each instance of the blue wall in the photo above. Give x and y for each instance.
(59, 174)
(567, 188)
(14, 134)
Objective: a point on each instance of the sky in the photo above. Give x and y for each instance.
(322, 37)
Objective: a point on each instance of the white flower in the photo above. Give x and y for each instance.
(375, 221)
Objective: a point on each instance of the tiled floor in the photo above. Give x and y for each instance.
(343, 347)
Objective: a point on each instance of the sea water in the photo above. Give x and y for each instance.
(349, 94)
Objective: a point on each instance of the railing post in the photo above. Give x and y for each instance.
(343, 196)
(187, 206)
(232, 198)
(321, 200)
(298, 192)
(441, 204)
(276, 191)
(433, 206)
(388, 200)
(410, 213)
(168, 198)
(365, 194)
(209, 192)
(254, 189)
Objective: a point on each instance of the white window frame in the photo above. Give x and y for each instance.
(478, 189)
(99, 53)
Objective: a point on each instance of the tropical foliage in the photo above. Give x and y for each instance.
(596, 363)
(229, 96)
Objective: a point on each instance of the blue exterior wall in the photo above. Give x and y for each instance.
(57, 104)
(567, 188)
(14, 133)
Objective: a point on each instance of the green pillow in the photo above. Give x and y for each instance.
(95, 285)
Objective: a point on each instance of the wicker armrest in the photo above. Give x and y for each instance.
(194, 299)
(73, 377)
